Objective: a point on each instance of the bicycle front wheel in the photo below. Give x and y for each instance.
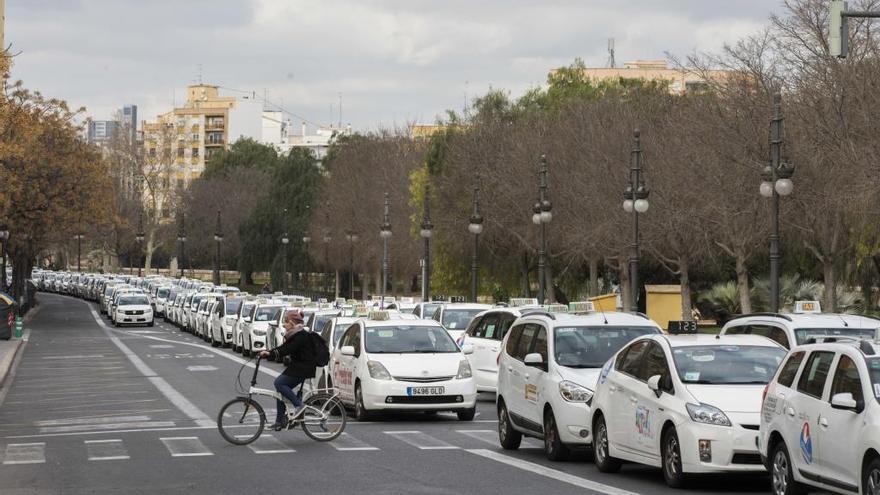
(241, 421)
(324, 418)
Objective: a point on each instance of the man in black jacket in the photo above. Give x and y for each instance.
(298, 345)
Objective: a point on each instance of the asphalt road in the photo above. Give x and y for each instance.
(96, 410)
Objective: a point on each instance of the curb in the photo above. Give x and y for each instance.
(8, 360)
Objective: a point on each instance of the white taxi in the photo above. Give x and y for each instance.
(820, 422)
(807, 321)
(685, 403)
(244, 314)
(455, 317)
(383, 364)
(132, 308)
(332, 334)
(548, 370)
(255, 327)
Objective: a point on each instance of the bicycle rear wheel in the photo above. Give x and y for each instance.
(324, 418)
(241, 421)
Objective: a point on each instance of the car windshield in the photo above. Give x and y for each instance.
(320, 320)
(232, 305)
(591, 347)
(338, 331)
(874, 371)
(246, 309)
(429, 309)
(405, 339)
(727, 364)
(163, 293)
(803, 334)
(265, 313)
(458, 319)
(133, 300)
(196, 300)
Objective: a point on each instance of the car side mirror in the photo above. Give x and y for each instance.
(654, 384)
(845, 402)
(535, 360)
(347, 350)
(247, 319)
(273, 323)
(469, 349)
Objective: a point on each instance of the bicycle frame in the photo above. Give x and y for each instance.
(254, 390)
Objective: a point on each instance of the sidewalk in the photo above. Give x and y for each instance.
(9, 348)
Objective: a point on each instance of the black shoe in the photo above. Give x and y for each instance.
(276, 426)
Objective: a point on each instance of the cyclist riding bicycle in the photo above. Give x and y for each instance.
(298, 346)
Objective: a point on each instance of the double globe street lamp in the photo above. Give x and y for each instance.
(385, 234)
(352, 238)
(139, 237)
(181, 240)
(426, 231)
(218, 239)
(475, 227)
(776, 182)
(635, 201)
(542, 214)
(285, 240)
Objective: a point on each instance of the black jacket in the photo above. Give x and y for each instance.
(302, 355)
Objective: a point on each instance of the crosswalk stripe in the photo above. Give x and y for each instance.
(346, 442)
(421, 440)
(185, 446)
(25, 453)
(106, 450)
(491, 437)
(267, 444)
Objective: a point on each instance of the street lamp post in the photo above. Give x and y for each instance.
(385, 234)
(218, 239)
(352, 238)
(181, 239)
(475, 227)
(4, 243)
(306, 240)
(542, 214)
(776, 182)
(635, 201)
(139, 237)
(326, 239)
(426, 231)
(79, 238)
(285, 240)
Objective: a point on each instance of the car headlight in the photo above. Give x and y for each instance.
(572, 392)
(464, 369)
(378, 371)
(706, 414)
(260, 333)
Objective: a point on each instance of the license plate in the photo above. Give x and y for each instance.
(411, 391)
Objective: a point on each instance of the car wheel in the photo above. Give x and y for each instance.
(467, 414)
(509, 438)
(150, 324)
(360, 411)
(871, 478)
(601, 452)
(553, 446)
(671, 460)
(781, 476)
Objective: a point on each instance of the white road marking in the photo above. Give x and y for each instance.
(201, 368)
(267, 444)
(346, 442)
(93, 420)
(167, 390)
(421, 440)
(185, 446)
(90, 356)
(110, 426)
(106, 450)
(491, 437)
(161, 346)
(551, 473)
(25, 453)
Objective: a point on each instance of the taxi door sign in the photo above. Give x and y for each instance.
(531, 392)
(644, 420)
(807, 444)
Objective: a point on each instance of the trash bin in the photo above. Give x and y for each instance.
(7, 316)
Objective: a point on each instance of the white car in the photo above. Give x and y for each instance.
(820, 422)
(807, 321)
(203, 314)
(426, 309)
(332, 333)
(319, 318)
(223, 319)
(133, 308)
(244, 313)
(455, 317)
(256, 326)
(684, 403)
(485, 334)
(547, 373)
(383, 364)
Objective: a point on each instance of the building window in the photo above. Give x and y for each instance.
(179, 152)
(195, 152)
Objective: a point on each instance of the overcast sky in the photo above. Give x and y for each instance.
(393, 61)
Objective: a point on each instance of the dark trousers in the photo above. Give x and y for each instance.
(284, 385)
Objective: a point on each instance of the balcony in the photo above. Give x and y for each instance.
(215, 123)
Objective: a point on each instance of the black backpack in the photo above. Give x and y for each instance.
(320, 349)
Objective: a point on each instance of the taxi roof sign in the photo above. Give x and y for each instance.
(523, 301)
(581, 307)
(379, 315)
(807, 307)
(682, 327)
(557, 308)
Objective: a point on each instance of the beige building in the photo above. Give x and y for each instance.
(679, 80)
(178, 144)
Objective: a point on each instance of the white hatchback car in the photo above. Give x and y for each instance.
(133, 308)
(255, 327)
(547, 372)
(402, 364)
(455, 317)
(684, 403)
(485, 334)
(820, 422)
